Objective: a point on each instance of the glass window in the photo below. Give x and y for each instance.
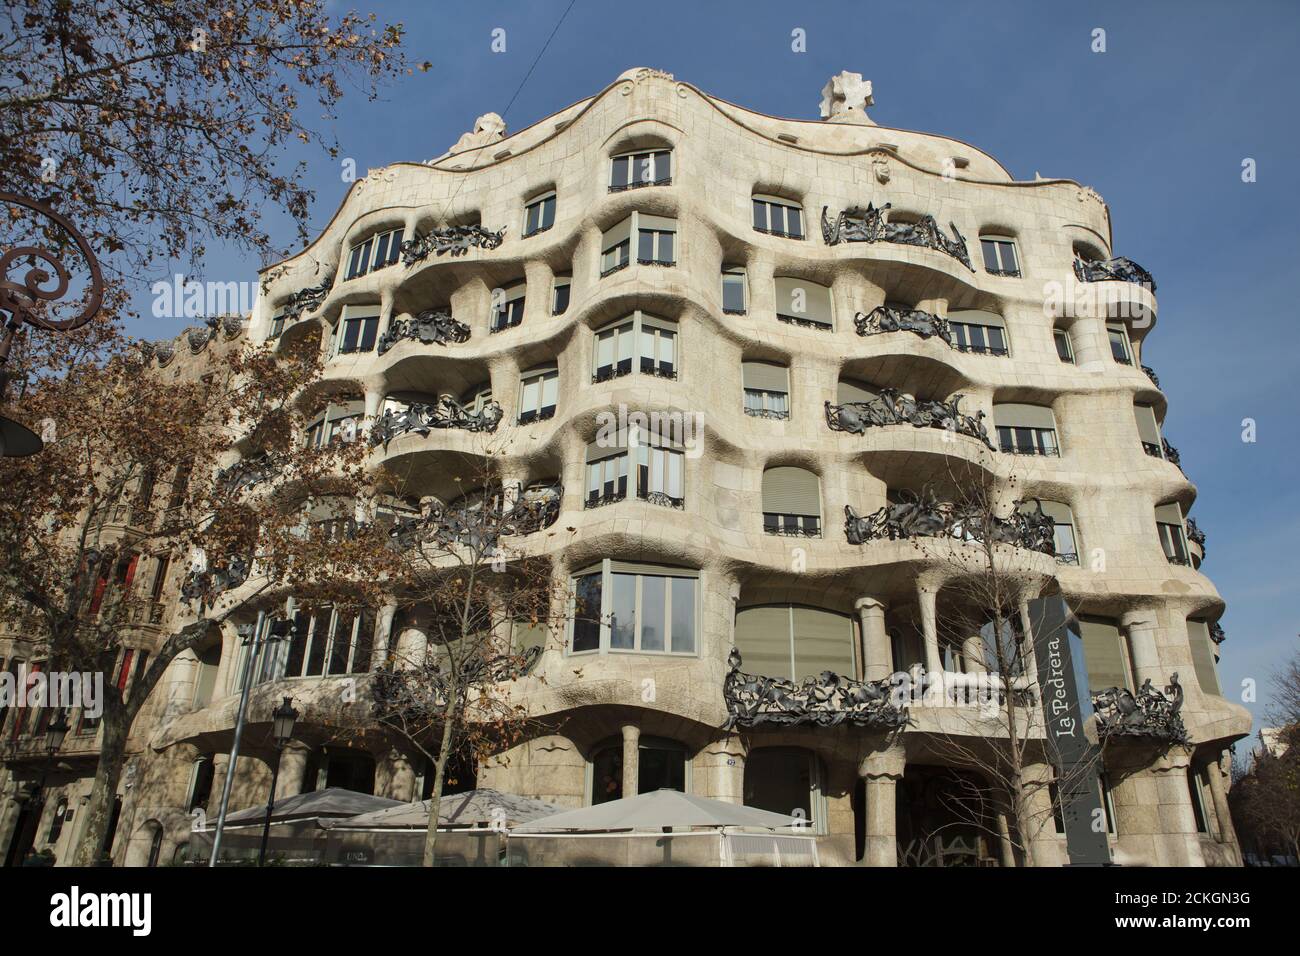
(778, 217)
(650, 339)
(1026, 429)
(1000, 256)
(508, 310)
(1119, 344)
(733, 291)
(793, 642)
(587, 610)
(801, 302)
(374, 253)
(1064, 351)
(560, 304)
(645, 168)
(539, 214)
(358, 331)
(642, 611)
(981, 339)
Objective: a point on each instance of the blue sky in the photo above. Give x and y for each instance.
(1158, 124)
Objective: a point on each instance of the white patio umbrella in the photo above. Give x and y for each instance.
(659, 810)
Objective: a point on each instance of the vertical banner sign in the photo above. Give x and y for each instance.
(1058, 650)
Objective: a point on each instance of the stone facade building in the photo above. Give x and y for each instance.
(814, 316)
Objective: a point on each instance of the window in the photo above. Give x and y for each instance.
(655, 464)
(1064, 350)
(1064, 539)
(1120, 349)
(1106, 654)
(206, 680)
(325, 640)
(974, 330)
(560, 298)
(508, 307)
(733, 290)
(1026, 430)
(778, 217)
(615, 248)
(1197, 794)
(633, 608)
(791, 502)
(646, 168)
(639, 342)
(358, 329)
(656, 240)
(1148, 429)
(1202, 646)
(661, 765)
(805, 303)
(1000, 256)
(538, 388)
(786, 780)
(477, 398)
(793, 642)
(539, 214)
(277, 326)
(1173, 536)
(338, 423)
(56, 824)
(163, 563)
(374, 253)
(767, 389)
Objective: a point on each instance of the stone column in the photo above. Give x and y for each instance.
(1006, 852)
(1227, 833)
(383, 626)
(1178, 841)
(720, 771)
(293, 769)
(180, 677)
(220, 767)
(1141, 629)
(401, 777)
(1154, 820)
(877, 654)
(1047, 848)
(1091, 344)
(881, 771)
(229, 656)
(973, 653)
(631, 759)
(1028, 633)
(927, 598)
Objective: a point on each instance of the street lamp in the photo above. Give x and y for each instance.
(282, 719)
(55, 733)
(24, 301)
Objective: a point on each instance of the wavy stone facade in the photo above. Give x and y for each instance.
(760, 541)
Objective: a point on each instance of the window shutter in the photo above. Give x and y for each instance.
(816, 299)
(616, 234)
(1103, 651)
(1169, 514)
(1148, 430)
(977, 317)
(851, 391)
(1011, 415)
(1198, 636)
(793, 491)
(763, 639)
(823, 641)
(767, 376)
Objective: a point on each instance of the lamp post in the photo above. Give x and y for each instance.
(24, 302)
(55, 733)
(282, 719)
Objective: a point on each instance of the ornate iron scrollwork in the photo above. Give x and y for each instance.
(206, 585)
(923, 515)
(423, 417)
(1171, 453)
(856, 224)
(1196, 535)
(664, 500)
(1216, 633)
(306, 300)
(481, 523)
(431, 327)
(894, 407)
(1148, 714)
(456, 240)
(1117, 269)
(884, 318)
(26, 300)
(826, 700)
(1151, 374)
(246, 473)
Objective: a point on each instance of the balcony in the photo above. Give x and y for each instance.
(455, 240)
(792, 525)
(893, 407)
(305, 300)
(923, 515)
(421, 418)
(431, 327)
(1151, 374)
(1152, 449)
(1147, 715)
(1113, 270)
(856, 224)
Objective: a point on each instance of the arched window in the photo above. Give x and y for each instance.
(786, 780)
(646, 167)
(661, 765)
(802, 302)
(1026, 429)
(792, 502)
(794, 642)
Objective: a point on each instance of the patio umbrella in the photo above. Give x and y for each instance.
(659, 810)
(330, 802)
(481, 808)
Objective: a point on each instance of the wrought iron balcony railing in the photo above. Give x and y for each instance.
(884, 318)
(923, 515)
(792, 525)
(1147, 714)
(482, 521)
(1196, 536)
(772, 413)
(422, 418)
(826, 700)
(617, 267)
(431, 327)
(802, 322)
(1067, 557)
(1216, 633)
(1171, 453)
(663, 500)
(306, 300)
(856, 224)
(1118, 269)
(456, 240)
(1152, 449)
(537, 415)
(1151, 374)
(641, 184)
(894, 407)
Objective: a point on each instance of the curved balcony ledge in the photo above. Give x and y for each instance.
(869, 225)
(1113, 299)
(893, 407)
(924, 516)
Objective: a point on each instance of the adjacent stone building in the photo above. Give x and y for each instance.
(826, 324)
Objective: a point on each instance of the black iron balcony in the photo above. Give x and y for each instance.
(422, 418)
(1067, 557)
(302, 302)
(662, 499)
(456, 240)
(1117, 270)
(826, 700)
(884, 318)
(772, 413)
(1148, 714)
(641, 184)
(1216, 633)
(856, 224)
(803, 322)
(923, 515)
(607, 372)
(1196, 536)
(537, 415)
(1151, 374)
(430, 327)
(1171, 453)
(655, 262)
(607, 498)
(1152, 449)
(616, 267)
(893, 407)
(792, 525)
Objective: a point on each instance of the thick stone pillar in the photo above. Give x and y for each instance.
(230, 643)
(881, 772)
(877, 654)
(1179, 842)
(1154, 820)
(220, 767)
(1091, 343)
(1141, 629)
(631, 759)
(293, 769)
(1227, 832)
(179, 681)
(401, 777)
(383, 626)
(719, 771)
(1028, 635)
(1006, 851)
(973, 653)
(1045, 845)
(927, 597)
